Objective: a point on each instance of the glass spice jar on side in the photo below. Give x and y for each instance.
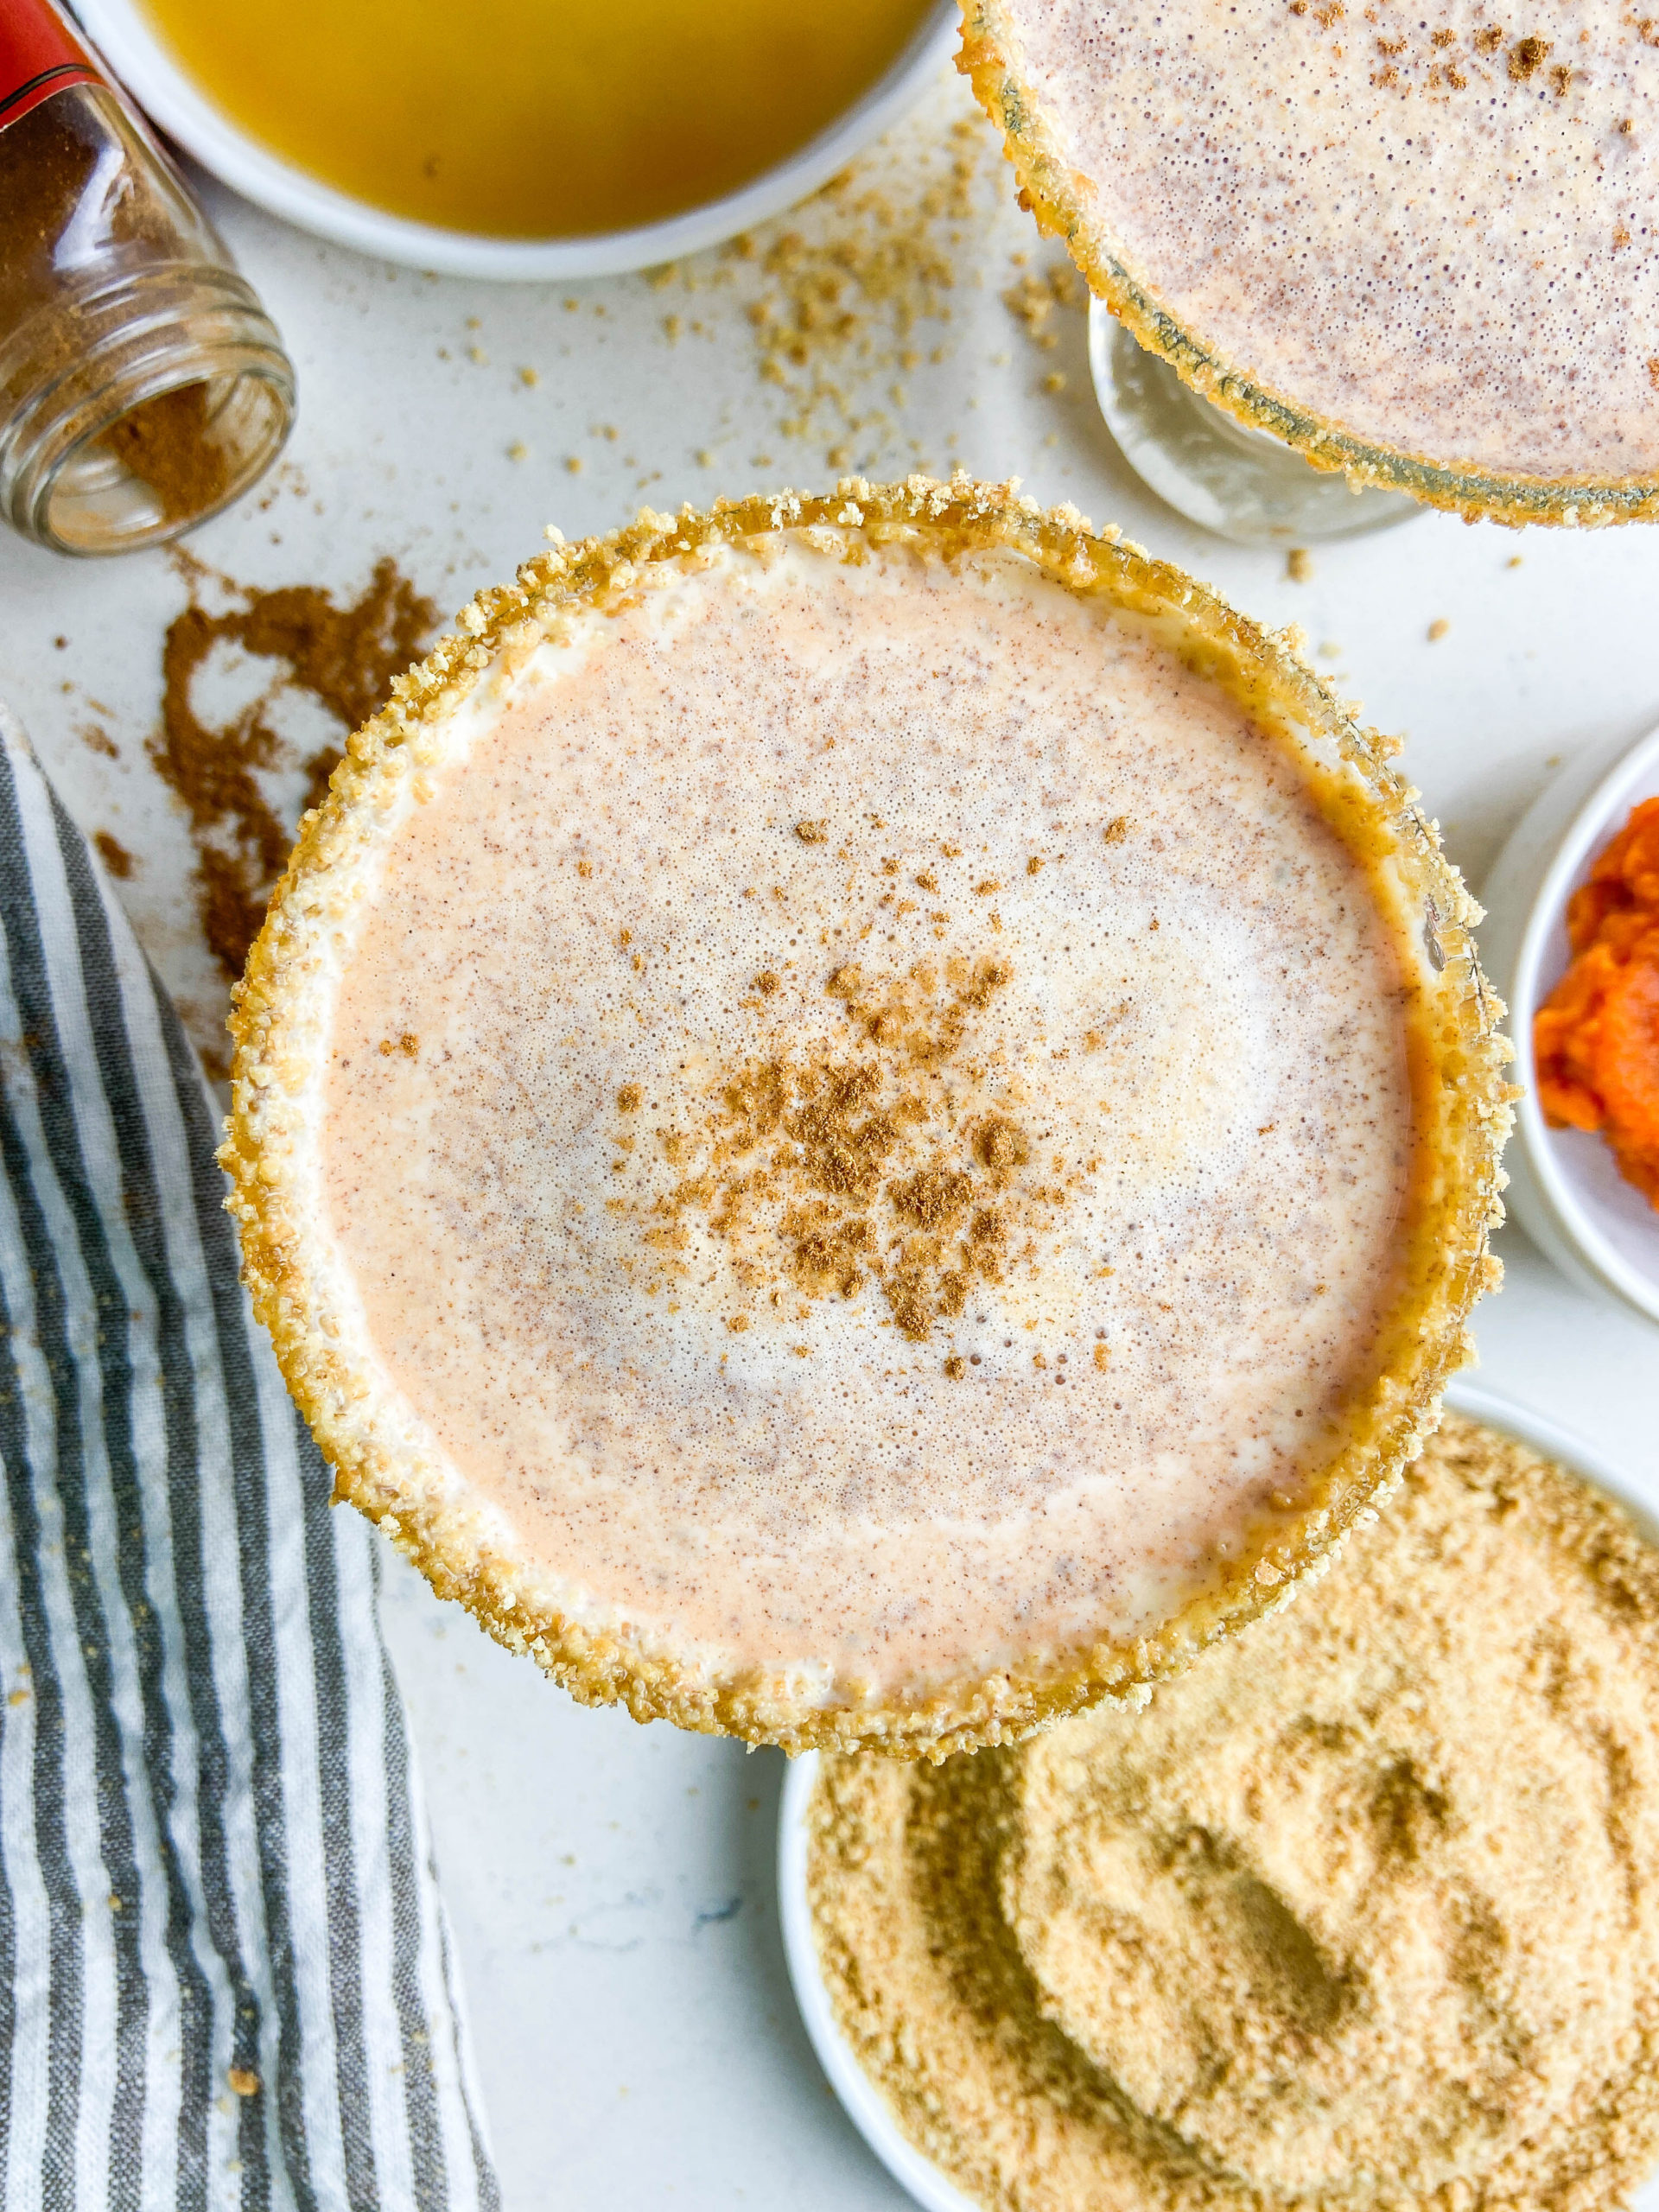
(143, 386)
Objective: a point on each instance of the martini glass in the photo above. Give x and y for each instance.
(1242, 483)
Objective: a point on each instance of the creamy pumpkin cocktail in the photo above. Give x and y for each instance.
(862, 1120)
(1417, 247)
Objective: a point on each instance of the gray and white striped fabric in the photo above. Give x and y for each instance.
(225, 1970)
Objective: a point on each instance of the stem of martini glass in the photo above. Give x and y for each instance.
(1241, 483)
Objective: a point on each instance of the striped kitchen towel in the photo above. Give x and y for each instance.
(225, 1976)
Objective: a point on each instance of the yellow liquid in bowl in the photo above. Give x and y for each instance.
(560, 120)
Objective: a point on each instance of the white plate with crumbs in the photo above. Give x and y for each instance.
(859, 2099)
(925, 2183)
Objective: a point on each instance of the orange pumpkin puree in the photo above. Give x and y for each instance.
(1595, 1042)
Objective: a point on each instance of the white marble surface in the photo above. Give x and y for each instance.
(611, 1886)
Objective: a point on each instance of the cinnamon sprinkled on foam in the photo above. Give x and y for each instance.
(824, 1176)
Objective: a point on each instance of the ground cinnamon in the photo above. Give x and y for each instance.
(167, 443)
(112, 284)
(113, 853)
(343, 657)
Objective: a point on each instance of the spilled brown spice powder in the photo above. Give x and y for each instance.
(1035, 296)
(343, 657)
(113, 853)
(1363, 1910)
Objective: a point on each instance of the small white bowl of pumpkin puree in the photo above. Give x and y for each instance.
(1573, 1188)
(541, 144)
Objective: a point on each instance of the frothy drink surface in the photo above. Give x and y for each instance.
(867, 1117)
(1436, 229)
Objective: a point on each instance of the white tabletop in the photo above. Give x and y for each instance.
(611, 1886)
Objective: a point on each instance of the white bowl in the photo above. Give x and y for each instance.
(861, 2099)
(863, 2102)
(1564, 1188)
(141, 58)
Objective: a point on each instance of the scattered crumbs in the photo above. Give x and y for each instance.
(572, 462)
(1102, 1358)
(627, 1099)
(954, 1367)
(672, 325)
(98, 741)
(528, 376)
(1034, 864)
(585, 869)
(1437, 629)
(113, 853)
(703, 458)
(1034, 299)
(1329, 649)
(1055, 380)
(738, 1323)
(768, 983)
(244, 2080)
(477, 353)
(1515, 559)
(1116, 830)
(1298, 564)
(517, 450)
(812, 833)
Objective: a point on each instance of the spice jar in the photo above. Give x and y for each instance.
(141, 385)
